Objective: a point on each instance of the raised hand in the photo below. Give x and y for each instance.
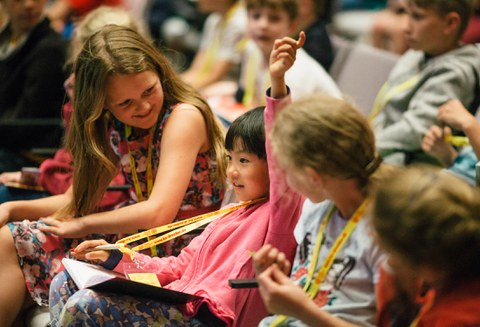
(282, 58)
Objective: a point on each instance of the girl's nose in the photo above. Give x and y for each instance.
(144, 105)
(232, 172)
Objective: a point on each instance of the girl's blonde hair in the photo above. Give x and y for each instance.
(120, 50)
(430, 217)
(329, 135)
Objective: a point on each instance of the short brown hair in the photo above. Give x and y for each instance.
(464, 8)
(289, 6)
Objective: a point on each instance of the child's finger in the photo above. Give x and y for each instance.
(301, 39)
(84, 246)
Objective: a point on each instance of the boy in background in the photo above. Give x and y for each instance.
(269, 20)
(437, 68)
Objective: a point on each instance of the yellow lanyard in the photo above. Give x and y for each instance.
(457, 140)
(312, 288)
(385, 94)
(178, 228)
(136, 183)
(250, 80)
(429, 299)
(212, 50)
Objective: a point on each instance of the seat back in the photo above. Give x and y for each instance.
(363, 73)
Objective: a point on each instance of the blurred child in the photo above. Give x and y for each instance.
(387, 31)
(327, 151)
(32, 56)
(219, 50)
(131, 111)
(462, 158)
(313, 19)
(436, 69)
(220, 253)
(428, 221)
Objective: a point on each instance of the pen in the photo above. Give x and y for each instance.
(103, 247)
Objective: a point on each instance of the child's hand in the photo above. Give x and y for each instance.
(283, 55)
(279, 293)
(83, 251)
(10, 177)
(435, 144)
(267, 256)
(453, 113)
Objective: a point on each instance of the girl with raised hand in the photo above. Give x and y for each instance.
(131, 111)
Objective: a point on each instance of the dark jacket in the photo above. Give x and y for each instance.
(31, 86)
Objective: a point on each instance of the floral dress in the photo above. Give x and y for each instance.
(40, 254)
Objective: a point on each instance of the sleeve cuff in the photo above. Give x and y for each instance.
(113, 259)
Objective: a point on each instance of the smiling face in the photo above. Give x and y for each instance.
(247, 173)
(265, 25)
(135, 99)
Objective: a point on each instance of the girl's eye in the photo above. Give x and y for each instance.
(125, 103)
(149, 91)
(243, 160)
(229, 157)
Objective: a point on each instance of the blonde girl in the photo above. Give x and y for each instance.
(131, 109)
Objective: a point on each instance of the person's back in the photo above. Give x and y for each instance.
(32, 56)
(436, 69)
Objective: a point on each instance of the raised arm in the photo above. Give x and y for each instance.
(282, 58)
(284, 202)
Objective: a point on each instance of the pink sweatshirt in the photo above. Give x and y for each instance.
(222, 251)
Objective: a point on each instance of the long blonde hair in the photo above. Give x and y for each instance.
(329, 135)
(120, 50)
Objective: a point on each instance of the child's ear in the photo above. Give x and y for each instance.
(313, 176)
(452, 23)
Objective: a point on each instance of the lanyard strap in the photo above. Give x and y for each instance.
(181, 227)
(312, 288)
(252, 64)
(136, 183)
(251, 78)
(385, 94)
